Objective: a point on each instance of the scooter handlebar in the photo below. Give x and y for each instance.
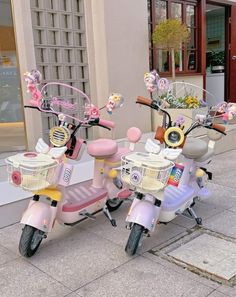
(218, 127)
(144, 101)
(106, 123)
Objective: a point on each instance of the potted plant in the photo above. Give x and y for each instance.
(217, 61)
(170, 35)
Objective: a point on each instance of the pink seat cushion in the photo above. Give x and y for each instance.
(117, 156)
(102, 147)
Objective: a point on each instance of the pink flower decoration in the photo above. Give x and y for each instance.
(93, 111)
(37, 95)
(16, 177)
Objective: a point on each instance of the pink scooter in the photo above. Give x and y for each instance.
(46, 174)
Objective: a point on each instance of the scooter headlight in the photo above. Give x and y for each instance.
(59, 136)
(174, 137)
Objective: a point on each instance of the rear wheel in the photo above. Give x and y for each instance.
(135, 236)
(30, 240)
(114, 204)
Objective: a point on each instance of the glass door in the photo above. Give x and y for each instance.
(12, 132)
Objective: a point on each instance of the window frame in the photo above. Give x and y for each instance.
(198, 43)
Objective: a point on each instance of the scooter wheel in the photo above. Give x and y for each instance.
(30, 241)
(134, 239)
(113, 204)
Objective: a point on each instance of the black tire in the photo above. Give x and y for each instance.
(113, 204)
(136, 234)
(30, 241)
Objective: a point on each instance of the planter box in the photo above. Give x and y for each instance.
(189, 116)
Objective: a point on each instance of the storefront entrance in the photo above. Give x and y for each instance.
(12, 132)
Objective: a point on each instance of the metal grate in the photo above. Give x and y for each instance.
(60, 46)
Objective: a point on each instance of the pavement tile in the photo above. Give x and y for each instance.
(222, 161)
(10, 236)
(19, 278)
(224, 223)
(181, 270)
(120, 234)
(209, 253)
(141, 277)
(79, 258)
(222, 196)
(6, 256)
(228, 291)
(217, 294)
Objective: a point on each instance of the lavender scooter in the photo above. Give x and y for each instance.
(165, 190)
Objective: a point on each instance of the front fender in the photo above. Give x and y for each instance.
(39, 215)
(145, 214)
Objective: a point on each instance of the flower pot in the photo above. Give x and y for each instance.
(188, 114)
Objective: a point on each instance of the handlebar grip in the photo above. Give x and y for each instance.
(106, 123)
(218, 127)
(143, 100)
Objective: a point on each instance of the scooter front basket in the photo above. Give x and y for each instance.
(32, 171)
(146, 172)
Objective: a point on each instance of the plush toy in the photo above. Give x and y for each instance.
(33, 78)
(114, 101)
(150, 80)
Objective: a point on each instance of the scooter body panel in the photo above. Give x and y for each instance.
(39, 215)
(144, 213)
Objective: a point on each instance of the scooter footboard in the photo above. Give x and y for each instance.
(145, 214)
(39, 215)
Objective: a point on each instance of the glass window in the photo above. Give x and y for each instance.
(176, 11)
(11, 113)
(190, 15)
(186, 57)
(161, 11)
(163, 61)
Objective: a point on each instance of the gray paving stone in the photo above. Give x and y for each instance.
(79, 258)
(6, 256)
(209, 253)
(120, 234)
(222, 196)
(141, 277)
(19, 278)
(222, 161)
(228, 291)
(217, 294)
(181, 270)
(9, 237)
(224, 223)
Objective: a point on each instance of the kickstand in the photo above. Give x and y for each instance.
(108, 215)
(194, 215)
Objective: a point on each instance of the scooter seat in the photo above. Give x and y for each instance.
(194, 148)
(102, 148)
(116, 158)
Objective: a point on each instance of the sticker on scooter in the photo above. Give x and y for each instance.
(135, 177)
(175, 175)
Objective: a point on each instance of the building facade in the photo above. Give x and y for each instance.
(102, 47)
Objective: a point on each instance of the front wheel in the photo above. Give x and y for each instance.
(113, 204)
(134, 239)
(30, 240)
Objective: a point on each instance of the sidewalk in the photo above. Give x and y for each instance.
(88, 260)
